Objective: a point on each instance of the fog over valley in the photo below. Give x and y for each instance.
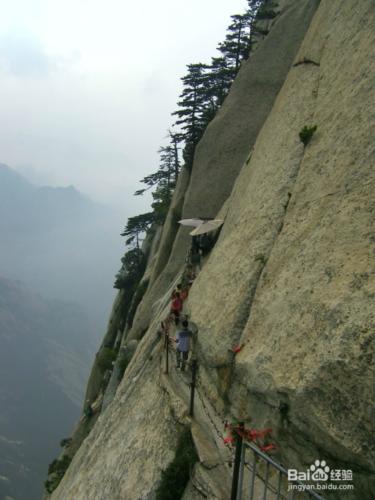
(86, 98)
(60, 243)
(59, 252)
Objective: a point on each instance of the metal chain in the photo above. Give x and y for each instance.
(219, 415)
(219, 434)
(207, 412)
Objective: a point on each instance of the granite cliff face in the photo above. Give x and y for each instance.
(291, 277)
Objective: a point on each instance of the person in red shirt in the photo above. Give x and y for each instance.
(176, 307)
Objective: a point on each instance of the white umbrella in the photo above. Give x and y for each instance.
(191, 222)
(207, 226)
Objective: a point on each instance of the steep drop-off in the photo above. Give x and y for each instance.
(44, 361)
(291, 277)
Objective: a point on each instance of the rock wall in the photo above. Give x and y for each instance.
(294, 266)
(226, 143)
(291, 279)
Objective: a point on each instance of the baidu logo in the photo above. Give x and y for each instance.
(321, 477)
(319, 471)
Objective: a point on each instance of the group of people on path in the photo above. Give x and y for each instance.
(200, 245)
(184, 334)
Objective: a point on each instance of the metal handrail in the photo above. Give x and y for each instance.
(282, 472)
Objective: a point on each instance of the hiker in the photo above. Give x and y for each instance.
(88, 411)
(190, 276)
(176, 307)
(183, 345)
(184, 293)
(195, 253)
(205, 244)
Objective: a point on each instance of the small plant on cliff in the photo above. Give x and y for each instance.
(306, 134)
(65, 442)
(260, 258)
(266, 13)
(106, 358)
(56, 470)
(176, 476)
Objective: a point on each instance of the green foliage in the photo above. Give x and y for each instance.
(162, 197)
(306, 134)
(106, 358)
(165, 178)
(266, 13)
(131, 272)
(52, 467)
(56, 469)
(192, 108)
(176, 476)
(205, 87)
(128, 278)
(260, 258)
(169, 166)
(65, 442)
(236, 45)
(136, 226)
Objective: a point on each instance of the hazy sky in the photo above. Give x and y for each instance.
(87, 86)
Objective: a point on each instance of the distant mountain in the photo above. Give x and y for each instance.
(46, 348)
(12, 185)
(59, 242)
(66, 247)
(30, 208)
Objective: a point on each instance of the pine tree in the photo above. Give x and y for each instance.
(169, 166)
(264, 10)
(192, 109)
(162, 197)
(136, 226)
(236, 45)
(133, 266)
(218, 80)
(175, 139)
(204, 90)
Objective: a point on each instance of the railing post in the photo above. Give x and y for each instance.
(192, 385)
(237, 462)
(240, 477)
(252, 484)
(266, 481)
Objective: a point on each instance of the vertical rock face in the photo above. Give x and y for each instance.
(294, 267)
(291, 278)
(227, 142)
(231, 135)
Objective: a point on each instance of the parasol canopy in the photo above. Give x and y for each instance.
(207, 226)
(191, 222)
